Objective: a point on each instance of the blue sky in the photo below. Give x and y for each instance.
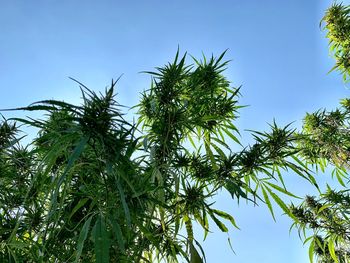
(279, 56)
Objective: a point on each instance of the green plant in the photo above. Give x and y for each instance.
(325, 140)
(92, 187)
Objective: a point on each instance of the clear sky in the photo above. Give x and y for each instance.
(279, 56)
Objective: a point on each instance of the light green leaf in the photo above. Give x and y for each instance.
(226, 216)
(230, 134)
(332, 250)
(323, 208)
(189, 228)
(191, 141)
(311, 251)
(18, 244)
(282, 190)
(268, 203)
(281, 204)
(340, 179)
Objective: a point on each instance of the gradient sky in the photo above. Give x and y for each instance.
(279, 56)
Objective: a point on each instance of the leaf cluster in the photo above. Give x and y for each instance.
(328, 218)
(92, 187)
(337, 23)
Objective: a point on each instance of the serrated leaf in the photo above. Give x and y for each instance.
(226, 216)
(268, 202)
(218, 150)
(340, 179)
(101, 241)
(119, 235)
(230, 134)
(189, 228)
(280, 203)
(82, 237)
(282, 190)
(18, 244)
(221, 225)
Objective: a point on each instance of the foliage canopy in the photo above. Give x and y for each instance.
(327, 141)
(92, 187)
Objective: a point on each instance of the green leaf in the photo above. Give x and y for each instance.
(226, 216)
(230, 134)
(33, 108)
(18, 244)
(101, 240)
(210, 154)
(119, 236)
(60, 104)
(189, 228)
(82, 237)
(74, 156)
(78, 206)
(121, 191)
(190, 139)
(124, 204)
(221, 225)
(218, 150)
(221, 142)
(280, 203)
(332, 250)
(235, 190)
(339, 178)
(323, 208)
(195, 257)
(282, 190)
(145, 143)
(268, 203)
(311, 251)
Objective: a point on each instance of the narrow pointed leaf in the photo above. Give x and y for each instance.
(82, 237)
(101, 241)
